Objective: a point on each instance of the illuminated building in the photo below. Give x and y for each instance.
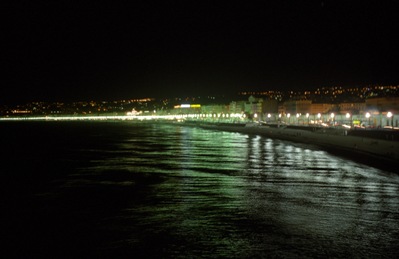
(383, 104)
(297, 106)
(352, 108)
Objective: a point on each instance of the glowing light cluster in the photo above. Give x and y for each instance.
(185, 106)
(89, 118)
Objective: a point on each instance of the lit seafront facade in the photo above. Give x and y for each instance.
(382, 120)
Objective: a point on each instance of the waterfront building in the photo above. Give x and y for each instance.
(253, 106)
(237, 107)
(187, 109)
(270, 106)
(215, 109)
(383, 104)
(316, 108)
(297, 106)
(352, 107)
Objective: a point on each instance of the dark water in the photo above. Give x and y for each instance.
(119, 189)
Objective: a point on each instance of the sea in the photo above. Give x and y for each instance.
(101, 189)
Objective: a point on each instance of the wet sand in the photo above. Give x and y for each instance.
(372, 151)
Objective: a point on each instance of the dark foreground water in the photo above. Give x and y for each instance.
(119, 189)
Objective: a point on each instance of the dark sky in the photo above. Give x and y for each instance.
(65, 52)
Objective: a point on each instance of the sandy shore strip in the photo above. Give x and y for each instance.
(378, 152)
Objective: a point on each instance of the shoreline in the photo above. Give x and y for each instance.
(377, 148)
(377, 152)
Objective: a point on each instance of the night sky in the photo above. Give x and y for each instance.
(65, 52)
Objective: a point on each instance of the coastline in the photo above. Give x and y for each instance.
(381, 153)
(377, 148)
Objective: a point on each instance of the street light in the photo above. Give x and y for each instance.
(332, 115)
(368, 117)
(268, 117)
(348, 115)
(390, 115)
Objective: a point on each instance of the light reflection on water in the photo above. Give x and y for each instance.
(233, 195)
(171, 191)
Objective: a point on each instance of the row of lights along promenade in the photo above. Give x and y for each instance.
(387, 121)
(367, 120)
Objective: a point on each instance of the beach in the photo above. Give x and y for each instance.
(357, 144)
